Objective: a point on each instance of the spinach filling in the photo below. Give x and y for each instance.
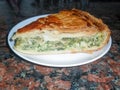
(38, 44)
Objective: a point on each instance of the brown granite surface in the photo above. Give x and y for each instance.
(18, 74)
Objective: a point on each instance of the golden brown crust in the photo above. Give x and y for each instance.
(67, 21)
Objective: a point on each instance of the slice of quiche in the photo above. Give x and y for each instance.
(68, 31)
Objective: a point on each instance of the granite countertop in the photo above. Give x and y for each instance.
(18, 74)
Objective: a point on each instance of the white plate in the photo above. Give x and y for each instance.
(60, 60)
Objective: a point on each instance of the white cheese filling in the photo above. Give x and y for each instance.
(54, 41)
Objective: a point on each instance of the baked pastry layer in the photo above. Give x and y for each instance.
(68, 31)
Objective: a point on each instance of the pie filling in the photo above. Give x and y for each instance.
(38, 44)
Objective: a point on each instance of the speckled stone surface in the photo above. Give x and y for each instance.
(102, 74)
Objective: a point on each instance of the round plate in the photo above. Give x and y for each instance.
(57, 60)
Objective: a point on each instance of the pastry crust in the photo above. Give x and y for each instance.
(68, 22)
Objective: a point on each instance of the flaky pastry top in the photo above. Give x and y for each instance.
(67, 21)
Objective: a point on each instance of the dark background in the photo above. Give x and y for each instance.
(105, 0)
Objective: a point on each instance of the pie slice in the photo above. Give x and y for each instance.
(68, 31)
